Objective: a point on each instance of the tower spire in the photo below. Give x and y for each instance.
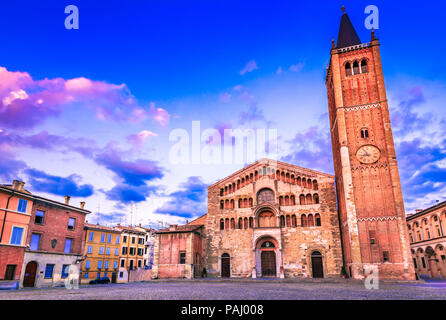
(347, 34)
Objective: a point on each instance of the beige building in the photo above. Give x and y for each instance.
(428, 240)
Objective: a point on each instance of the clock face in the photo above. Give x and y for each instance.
(368, 154)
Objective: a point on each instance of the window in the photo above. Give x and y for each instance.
(90, 236)
(121, 274)
(124, 250)
(117, 252)
(364, 133)
(102, 237)
(131, 264)
(372, 236)
(140, 251)
(122, 263)
(132, 251)
(282, 221)
(355, 67)
(71, 223)
(348, 69)
(133, 239)
(364, 68)
(222, 224)
(385, 256)
(424, 262)
(10, 271)
(182, 257)
(317, 217)
(87, 264)
(139, 263)
(100, 264)
(35, 241)
(65, 269)
(265, 195)
(109, 238)
(141, 241)
(101, 250)
(22, 205)
(117, 239)
(68, 243)
(106, 265)
(107, 251)
(90, 249)
(39, 217)
(415, 263)
(86, 275)
(49, 268)
(16, 237)
(124, 239)
(115, 264)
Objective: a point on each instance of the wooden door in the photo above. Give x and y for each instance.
(225, 266)
(113, 279)
(268, 263)
(318, 270)
(30, 274)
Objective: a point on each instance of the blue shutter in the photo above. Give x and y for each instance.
(49, 271)
(117, 239)
(22, 205)
(87, 264)
(115, 264)
(106, 264)
(91, 236)
(109, 238)
(108, 250)
(35, 240)
(16, 237)
(67, 245)
(102, 237)
(99, 264)
(89, 249)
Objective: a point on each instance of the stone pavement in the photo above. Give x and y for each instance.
(239, 289)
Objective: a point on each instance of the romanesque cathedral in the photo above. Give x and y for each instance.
(273, 219)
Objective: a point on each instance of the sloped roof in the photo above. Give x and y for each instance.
(347, 34)
(185, 228)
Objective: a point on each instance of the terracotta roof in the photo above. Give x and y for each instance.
(198, 220)
(185, 228)
(430, 209)
(99, 227)
(128, 228)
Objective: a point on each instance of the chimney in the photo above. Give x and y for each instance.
(82, 204)
(67, 199)
(187, 221)
(18, 185)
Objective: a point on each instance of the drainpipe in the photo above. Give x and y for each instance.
(6, 213)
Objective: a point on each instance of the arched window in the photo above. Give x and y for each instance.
(240, 223)
(256, 175)
(293, 220)
(303, 219)
(245, 223)
(251, 222)
(282, 176)
(310, 220)
(240, 203)
(317, 217)
(292, 200)
(226, 204)
(250, 202)
(267, 244)
(222, 224)
(309, 186)
(302, 199)
(299, 181)
(293, 180)
(245, 203)
(278, 175)
(309, 199)
(315, 186)
(222, 204)
(230, 188)
(251, 177)
(288, 177)
(287, 200)
(315, 198)
(364, 67)
(348, 69)
(364, 133)
(238, 184)
(232, 203)
(304, 182)
(288, 221)
(222, 191)
(226, 190)
(227, 223)
(265, 195)
(282, 221)
(355, 67)
(280, 201)
(232, 223)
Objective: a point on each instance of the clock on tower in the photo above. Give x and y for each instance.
(371, 208)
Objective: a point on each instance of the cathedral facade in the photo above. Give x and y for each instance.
(273, 219)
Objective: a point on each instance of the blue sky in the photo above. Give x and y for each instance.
(94, 107)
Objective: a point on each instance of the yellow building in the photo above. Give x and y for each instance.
(101, 252)
(132, 249)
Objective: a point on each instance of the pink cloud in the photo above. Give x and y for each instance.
(138, 139)
(250, 66)
(25, 102)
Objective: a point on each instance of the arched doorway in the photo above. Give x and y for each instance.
(316, 264)
(30, 274)
(268, 259)
(225, 265)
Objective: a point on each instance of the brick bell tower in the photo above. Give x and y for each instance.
(371, 208)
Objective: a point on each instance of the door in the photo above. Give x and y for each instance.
(225, 265)
(316, 263)
(268, 263)
(113, 279)
(30, 274)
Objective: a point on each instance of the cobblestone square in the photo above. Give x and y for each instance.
(238, 290)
